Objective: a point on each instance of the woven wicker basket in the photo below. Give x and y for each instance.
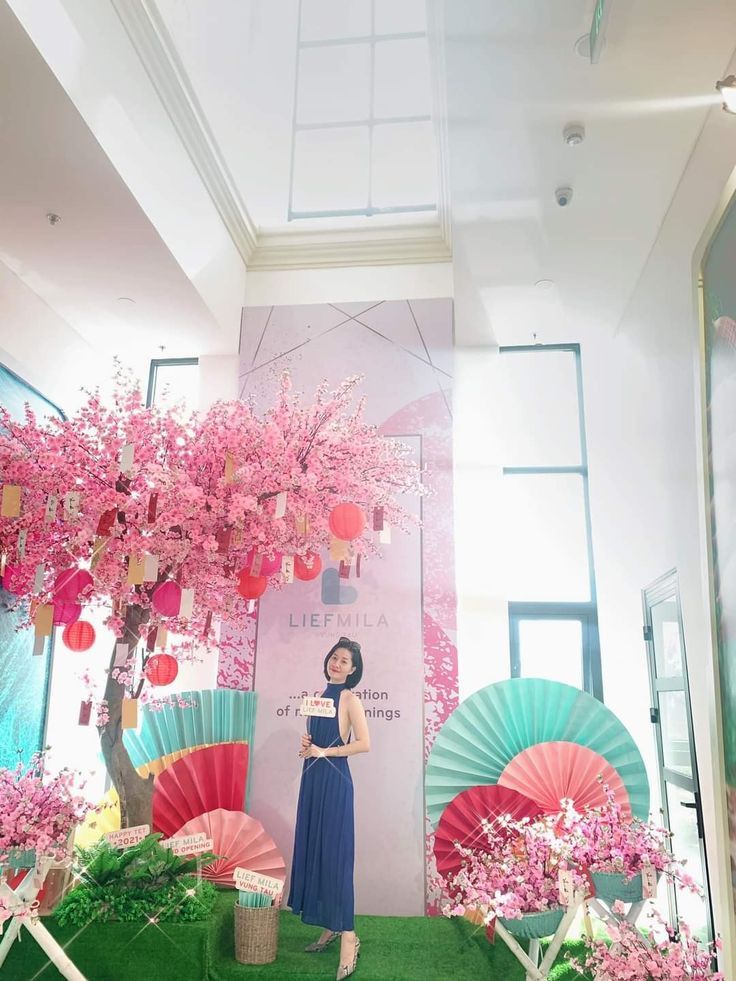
(533, 926)
(256, 934)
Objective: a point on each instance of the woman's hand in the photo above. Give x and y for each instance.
(311, 752)
(306, 740)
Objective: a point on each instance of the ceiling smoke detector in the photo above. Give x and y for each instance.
(574, 134)
(52, 218)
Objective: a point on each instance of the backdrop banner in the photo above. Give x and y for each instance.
(401, 609)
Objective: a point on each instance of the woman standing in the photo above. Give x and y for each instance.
(324, 840)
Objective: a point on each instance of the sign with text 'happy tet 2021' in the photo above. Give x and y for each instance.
(127, 837)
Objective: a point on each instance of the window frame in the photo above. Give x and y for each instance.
(584, 611)
(369, 123)
(157, 363)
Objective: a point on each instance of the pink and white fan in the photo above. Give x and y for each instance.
(239, 840)
(548, 772)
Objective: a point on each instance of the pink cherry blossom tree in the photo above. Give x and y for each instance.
(107, 506)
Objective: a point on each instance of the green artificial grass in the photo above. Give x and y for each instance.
(393, 949)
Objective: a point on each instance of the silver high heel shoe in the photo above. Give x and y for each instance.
(319, 946)
(345, 970)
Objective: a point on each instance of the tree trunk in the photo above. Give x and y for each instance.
(135, 793)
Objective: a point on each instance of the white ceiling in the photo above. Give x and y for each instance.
(104, 248)
(514, 81)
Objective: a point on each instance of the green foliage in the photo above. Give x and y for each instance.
(139, 883)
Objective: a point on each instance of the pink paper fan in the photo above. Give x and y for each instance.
(211, 777)
(549, 772)
(239, 840)
(462, 819)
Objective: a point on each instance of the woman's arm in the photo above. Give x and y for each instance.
(359, 725)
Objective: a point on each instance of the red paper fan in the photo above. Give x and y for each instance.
(240, 840)
(549, 772)
(202, 781)
(462, 819)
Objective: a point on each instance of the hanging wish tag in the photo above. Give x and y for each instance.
(97, 550)
(318, 706)
(150, 568)
(255, 569)
(229, 467)
(10, 506)
(344, 570)
(71, 505)
(384, 536)
(121, 655)
(38, 578)
(280, 505)
(85, 713)
(52, 502)
(162, 636)
(126, 458)
(152, 508)
(566, 887)
(302, 525)
(136, 570)
(187, 604)
(22, 539)
(339, 550)
(287, 568)
(44, 620)
(648, 881)
(378, 519)
(39, 646)
(129, 713)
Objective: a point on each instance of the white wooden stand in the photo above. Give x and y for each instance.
(22, 899)
(530, 962)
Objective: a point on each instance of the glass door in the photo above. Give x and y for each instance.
(678, 772)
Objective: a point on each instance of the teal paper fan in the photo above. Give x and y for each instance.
(216, 715)
(487, 730)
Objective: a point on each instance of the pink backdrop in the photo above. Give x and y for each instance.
(402, 609)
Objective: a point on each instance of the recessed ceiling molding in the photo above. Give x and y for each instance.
(282, 249)
(293, 249)
(436, 40)
(155, 48)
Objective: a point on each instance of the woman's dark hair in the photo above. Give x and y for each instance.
(354, 648)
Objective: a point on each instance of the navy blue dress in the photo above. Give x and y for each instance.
(324, 840)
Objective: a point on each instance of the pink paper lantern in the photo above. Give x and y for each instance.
(70, 583)
(65, 613)
(166, 598)
(347, 521)
(304, 571)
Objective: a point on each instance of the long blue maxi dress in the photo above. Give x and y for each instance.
(324, 840)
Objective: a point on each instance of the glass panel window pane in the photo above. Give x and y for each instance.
(686, 846)
(401, 84)
(334, 84)
(675, 734)
(404, 170)
(331, 169)
(552, 649)
(176, 383)
(538, 409)
(400, 18)
(666, 633)
(328, 19)
(546, 547)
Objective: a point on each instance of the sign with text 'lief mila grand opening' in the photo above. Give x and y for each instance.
(401, 609)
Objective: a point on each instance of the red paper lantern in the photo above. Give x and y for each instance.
(347, 521)
(306, 572)
(79, 636)
(66, 613)
(166, 598)
(251, 587)
(161, 669)
(70, 583)
(269, 567)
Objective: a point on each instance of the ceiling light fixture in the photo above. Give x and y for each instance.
(574, 134)
(52, 218)
(727, 90)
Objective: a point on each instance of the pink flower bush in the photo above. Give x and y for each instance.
(517, 871)
(603, 839)
(633, 956)
(39, 810)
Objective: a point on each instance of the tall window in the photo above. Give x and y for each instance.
(362, 140)
(553, 619)
(172, 381)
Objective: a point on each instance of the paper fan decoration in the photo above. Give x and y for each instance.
(548, 772)
(95, 825)
(462, 819)
(491, 727)
(204, 780)
(219, 715)
(240, 840)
